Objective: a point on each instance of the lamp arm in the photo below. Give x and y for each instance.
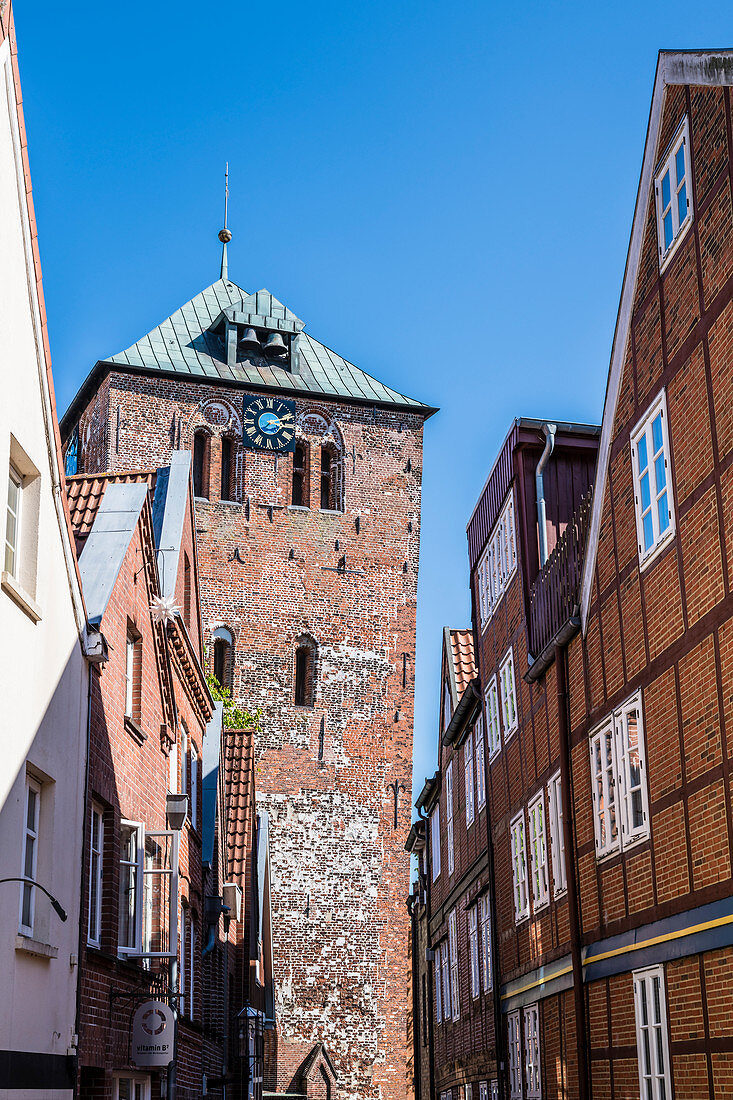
(58, 908)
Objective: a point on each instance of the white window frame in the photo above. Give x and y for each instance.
(28, 868)
(143, 875)
(485, 930)
(194, 786)
(494, 1085)
(449, 817)
(473, 951)
(446, 979)
(680, 226)
(13, 546)
(538, 852)
(532, 1055)
(498, 563)
(518, 855)
(612, 783)
(483, 1090)
(657, 1033)
(438, 987)
(493, 728)
(468, 779)
(173, 769)
(478, 751)
(514, 1053)
(644, 430)
(96, 876)
(135, 1079)
(626, 786)
(453, 954)
(435, 840)
(557, 837)
(191, 964)
(509, 709)
(129, 674)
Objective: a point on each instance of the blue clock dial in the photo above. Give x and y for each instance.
(269, 422)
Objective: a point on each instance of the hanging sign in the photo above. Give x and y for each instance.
(153, 1030)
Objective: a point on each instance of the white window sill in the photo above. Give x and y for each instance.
(298, 508)
(20, 596)
(28, 946)
(681, 234)
(541, 908)
(331, 512)
(520, 920)
(558, 895)
(654, 553)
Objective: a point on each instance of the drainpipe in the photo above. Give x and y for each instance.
(415, 998)
(431, 969)
(539, 480)
(570, 870)
(493, 924)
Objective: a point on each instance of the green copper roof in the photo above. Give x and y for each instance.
(185, 345)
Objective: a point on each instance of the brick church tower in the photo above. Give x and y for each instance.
(308, 544)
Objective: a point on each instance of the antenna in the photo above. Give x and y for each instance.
(225, 234)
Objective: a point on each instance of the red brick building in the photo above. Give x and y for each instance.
(142, 904)
(308, 545)
(603, 632)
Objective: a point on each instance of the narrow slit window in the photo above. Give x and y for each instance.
(227, 451)
(300, 493)
(327, 496)
(12, 521)
(305, 672)
(96, 866)
(201, 465)
(30, 854)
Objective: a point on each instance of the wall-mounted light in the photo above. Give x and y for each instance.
(176, 808)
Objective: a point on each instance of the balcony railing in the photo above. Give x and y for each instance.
(553, 598)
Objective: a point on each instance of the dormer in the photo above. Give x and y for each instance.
(261, 332)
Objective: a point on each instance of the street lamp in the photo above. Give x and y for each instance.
(31, 882)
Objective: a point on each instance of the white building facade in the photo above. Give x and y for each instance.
(43, 669)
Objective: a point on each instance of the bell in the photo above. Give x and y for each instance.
(250, 342)
(275, 346)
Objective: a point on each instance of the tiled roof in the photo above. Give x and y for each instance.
(239, 802)
(84, 493)
(184, 344)
(464, 661)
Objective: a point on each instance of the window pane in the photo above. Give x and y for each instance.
(682, 203)
(31, 819)
(679, 162)
(668, 232)
(660, 472)
(30, 845)
(642, 455)
(657, 438)
(645, 493)
(27, 914)
(663, 510)
(648, 531)
(666, 193)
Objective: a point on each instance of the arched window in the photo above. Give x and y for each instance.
(223, 658)
(306, 653)
(331, 494)
(301, 487)
(201, 465)
(227, 468)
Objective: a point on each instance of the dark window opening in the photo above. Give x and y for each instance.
(187, 591)
(305, 673)
(227, 491)
(221, 662)
(327, 482)
(201, 465)
(300, 495)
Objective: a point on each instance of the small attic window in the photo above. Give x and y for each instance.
(673, 194)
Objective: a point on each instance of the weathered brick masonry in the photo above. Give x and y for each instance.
(345, 578)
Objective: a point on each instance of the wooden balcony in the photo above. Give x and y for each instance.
(555, 594)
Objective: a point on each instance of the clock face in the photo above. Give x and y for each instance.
(268, 424)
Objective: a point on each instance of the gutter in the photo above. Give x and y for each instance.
(468, 707)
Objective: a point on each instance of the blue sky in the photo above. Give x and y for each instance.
(442, 191)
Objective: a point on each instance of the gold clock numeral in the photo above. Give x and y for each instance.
(258, 440)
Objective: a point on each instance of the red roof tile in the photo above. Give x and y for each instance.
(239, 802)
(464, 661)
(85, 492)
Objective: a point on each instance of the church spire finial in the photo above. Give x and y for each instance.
(225, 234)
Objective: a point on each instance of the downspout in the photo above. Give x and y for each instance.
(415, 1000)
(539, 481)
(431, 969)
(495, 965)
(570, 870)
(82, 938)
